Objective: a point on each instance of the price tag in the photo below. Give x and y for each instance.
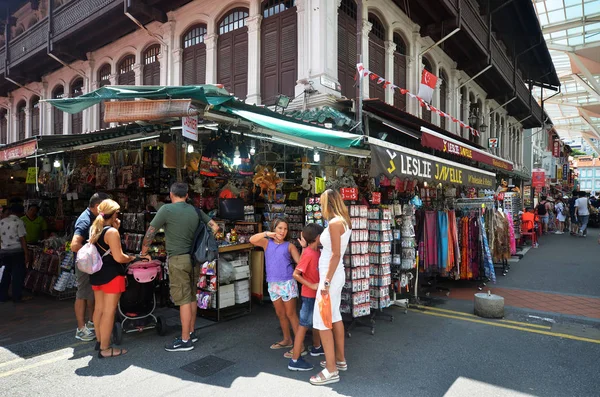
(31, 175)
(293, 196)
(103, 158)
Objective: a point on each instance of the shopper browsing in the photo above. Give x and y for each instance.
(283, 289)
(36, 226)
(180, 221)
(84, 298)
(15, 255)
(582, 213)
(108, 283)
(543, 211)
(332, 276)
(561, 215)
(307, 274)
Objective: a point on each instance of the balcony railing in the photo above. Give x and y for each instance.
(500, 60)
(522, 90)
(75, 12)
(2, 58)
(474, 22)
(29, 41)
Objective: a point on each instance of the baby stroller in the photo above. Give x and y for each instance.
(138, 302)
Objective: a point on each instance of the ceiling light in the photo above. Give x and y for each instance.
(190, 148)
(317, 157)
(57, 163)
(252, 147)
(237, 160)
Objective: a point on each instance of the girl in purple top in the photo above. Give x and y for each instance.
(283, 289)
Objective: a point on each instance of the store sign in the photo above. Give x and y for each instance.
(559, 173)
(556, 148)
(17, 152)
(406, 163)
(190, 127)
(538, 178)
(32, 173)
(349, 193)
(493, 143)
(438, 142)
(104, 158)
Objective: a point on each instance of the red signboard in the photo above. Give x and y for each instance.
(349, 193)
(538, 178)
(17, 152)
(454, 147)
(376, 200)
(556, 148)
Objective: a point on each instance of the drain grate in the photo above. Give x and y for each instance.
(207, 366)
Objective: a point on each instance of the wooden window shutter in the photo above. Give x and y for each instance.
(3, 129)
(225, 56)
(232, 53)
(270, 60)
(399, 72)
(240, 63)
(21, 122)
(35, 118)
(77, 118)
(289, 52)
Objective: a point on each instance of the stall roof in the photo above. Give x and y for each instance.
(207, 94)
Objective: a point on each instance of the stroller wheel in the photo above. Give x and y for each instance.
(161, 326)
(117, 335)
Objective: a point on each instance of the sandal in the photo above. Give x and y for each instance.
(341, 365)
(278, 345)
(112, 353)
(290, 354)
(325, 378)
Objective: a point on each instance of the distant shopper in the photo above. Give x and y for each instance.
(36, 226)
(574, 224)
(582, 212)
(180, 221)
(543, 211)
(280, 255)
(108, 283)
(561, 215)
(307, 274)
(13, 249)
(84, 299)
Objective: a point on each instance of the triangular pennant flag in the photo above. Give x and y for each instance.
(374, 76)
(360, 67)
(386, 84)
(366, 73)
(403, 91)
(380, 80)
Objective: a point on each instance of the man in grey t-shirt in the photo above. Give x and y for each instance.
(582, 212)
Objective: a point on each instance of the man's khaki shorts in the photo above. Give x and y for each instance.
(183, 279)
(84, 288)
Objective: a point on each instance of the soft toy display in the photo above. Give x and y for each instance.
(267, 180)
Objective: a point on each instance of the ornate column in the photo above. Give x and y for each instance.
(137, 69)
(390, 48)
(364, 39)
(177, 55)
(254, 55)
(27, 120)
(211, 58)
(413, 77)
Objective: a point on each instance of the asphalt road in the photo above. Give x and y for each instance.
(416, 355)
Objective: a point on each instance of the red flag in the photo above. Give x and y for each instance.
(374, 76)
(428, 83)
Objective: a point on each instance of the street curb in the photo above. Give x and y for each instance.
(558, 317)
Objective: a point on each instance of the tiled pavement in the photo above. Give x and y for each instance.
(539, 301)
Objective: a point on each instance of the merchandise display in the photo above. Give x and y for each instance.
(355, 295)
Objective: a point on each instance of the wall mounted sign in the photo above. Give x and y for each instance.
(556, 148)
(397, 161)
(19, 151)
(433, 140)
(565, 173)
(538, 178)
(190, 127)
(493, 143)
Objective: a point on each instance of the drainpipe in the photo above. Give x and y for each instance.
(359, 97)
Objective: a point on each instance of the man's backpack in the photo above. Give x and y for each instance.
(204, 248)
(541, 208)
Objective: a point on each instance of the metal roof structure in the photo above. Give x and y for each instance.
(571, 29)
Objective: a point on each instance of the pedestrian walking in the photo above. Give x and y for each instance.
(561, 215)
(334, 240)
(283, 289)
(573, 217)
(180, 221)
(307, 274)
(14, 254)
(108, 283)
(84, 298)
(543, 211)
(582, 213)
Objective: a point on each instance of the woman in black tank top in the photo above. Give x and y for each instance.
(109, 282)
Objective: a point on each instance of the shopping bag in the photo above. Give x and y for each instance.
(325, 310)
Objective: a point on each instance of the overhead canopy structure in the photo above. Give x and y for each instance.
(571, 29)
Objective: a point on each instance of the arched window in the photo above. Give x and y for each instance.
(126, 74)
(103, 80)
(57, 114)
(232, 53)
(443, 98)
(400, 71)
(426, 114)
(194, 56)
(376, 56)
(35, 116)
(151, 74)
(3, 127)
(347, 57)
(21, 117)
(279, 49)
(77, 118)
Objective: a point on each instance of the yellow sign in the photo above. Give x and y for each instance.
(293, 196)
(31, 175)
(103, 158)
(3, 202)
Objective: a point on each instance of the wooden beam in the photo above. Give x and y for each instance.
(149, 11)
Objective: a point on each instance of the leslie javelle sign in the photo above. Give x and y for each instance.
(406, 163)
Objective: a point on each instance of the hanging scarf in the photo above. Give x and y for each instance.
(511, 232)
(488, 265)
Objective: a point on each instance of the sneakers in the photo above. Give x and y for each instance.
(299, 365)
(85, 334)
(290, 354)
(90, 326)
(193, 337)
(317, 351)
(179, 346)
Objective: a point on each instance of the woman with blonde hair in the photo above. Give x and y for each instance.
(334, 240)
(109, 282)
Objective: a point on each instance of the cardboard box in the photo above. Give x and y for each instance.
(241, 285)
(241, 272)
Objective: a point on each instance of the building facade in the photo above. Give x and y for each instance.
(304, 49)
(588, 169)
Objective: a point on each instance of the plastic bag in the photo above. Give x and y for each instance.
(226, 273)
(325, 311)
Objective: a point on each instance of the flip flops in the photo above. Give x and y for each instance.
(276, 346)
(112, 353)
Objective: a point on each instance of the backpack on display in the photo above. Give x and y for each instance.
(204, 248)
(541, 208)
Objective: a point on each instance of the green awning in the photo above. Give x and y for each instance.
(277, 122)
(206, 94)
